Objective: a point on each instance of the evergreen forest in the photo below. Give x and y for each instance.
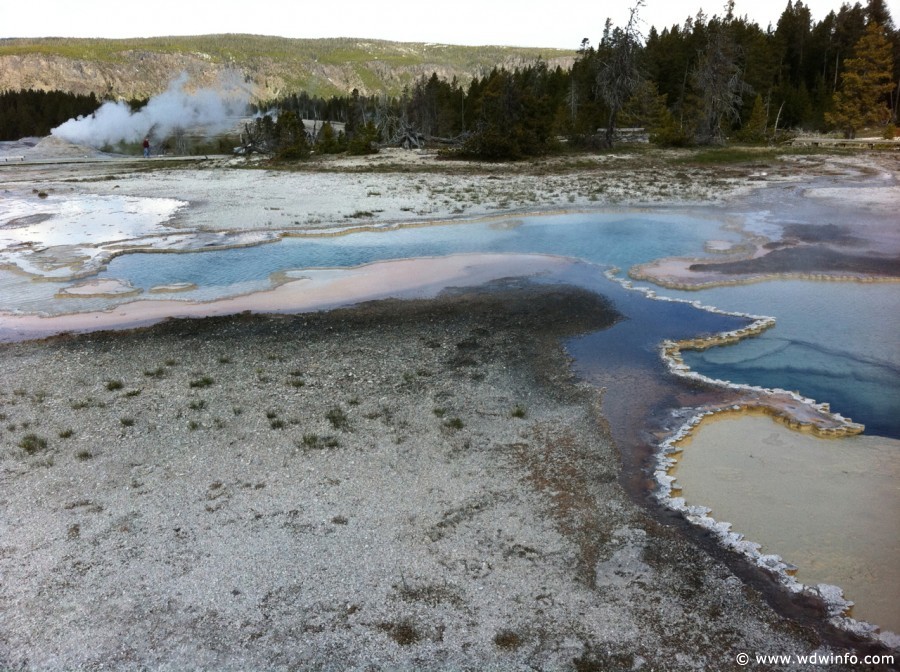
(715, 79)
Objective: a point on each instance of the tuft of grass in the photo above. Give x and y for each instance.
(87, 402)
(67, 434)
(404, 632)
(440, 412)
(158, 372)
(518, 411)
(454, 423)
(316, 442)
(127, 422)
(132, 393)
(193, 425)
(197, 405)
(83, 455)
(205, 381)
(508, 640)
(32, 443)
(113, 385)
(337, 418)
(276, 424)
(224, 360)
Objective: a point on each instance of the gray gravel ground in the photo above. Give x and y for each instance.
(415, 485)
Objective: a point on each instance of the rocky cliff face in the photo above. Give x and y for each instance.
(268, 66)
(137, 76)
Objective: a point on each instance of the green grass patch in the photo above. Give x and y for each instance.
(316, 442)
(32, 443)
(337, 418)
(454, 423)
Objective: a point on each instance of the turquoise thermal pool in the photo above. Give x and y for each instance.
(833, 342)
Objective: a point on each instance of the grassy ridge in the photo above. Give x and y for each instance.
(377, 64)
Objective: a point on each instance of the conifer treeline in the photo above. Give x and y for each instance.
(712, 78)
(31, 113)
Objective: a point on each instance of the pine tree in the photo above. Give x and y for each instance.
(755, 128)
(866, 81)
(719, 79)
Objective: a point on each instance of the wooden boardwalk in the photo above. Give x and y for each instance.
(869, 143)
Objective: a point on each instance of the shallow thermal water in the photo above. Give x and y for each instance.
(79, 224)
(727, 466)
(619, 239)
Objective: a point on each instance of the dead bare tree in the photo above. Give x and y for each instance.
(403, 134)
(399, 130)
(618, 75)
(259, 136)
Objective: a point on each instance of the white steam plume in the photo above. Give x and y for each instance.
(212, 110)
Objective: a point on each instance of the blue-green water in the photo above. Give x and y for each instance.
(834, 342)
(607, 239)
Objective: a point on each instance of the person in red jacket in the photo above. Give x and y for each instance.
(146, 146)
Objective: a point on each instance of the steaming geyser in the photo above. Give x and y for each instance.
(114, 122)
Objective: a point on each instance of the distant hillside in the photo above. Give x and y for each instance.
(136, 68)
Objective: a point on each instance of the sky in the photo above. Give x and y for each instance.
(529, 23)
